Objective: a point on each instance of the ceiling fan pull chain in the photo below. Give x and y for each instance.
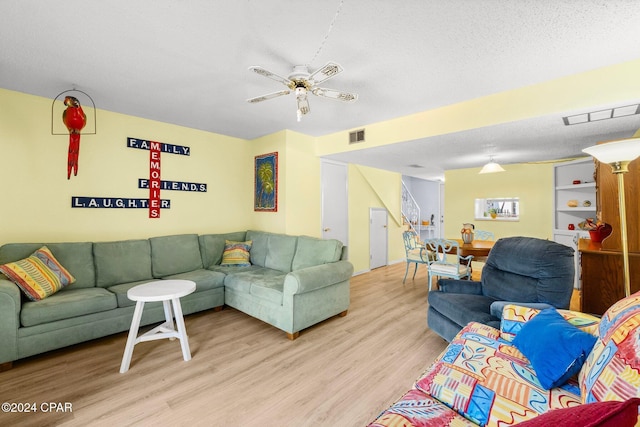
(328, 32)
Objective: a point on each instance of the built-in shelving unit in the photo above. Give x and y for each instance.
(583, 194)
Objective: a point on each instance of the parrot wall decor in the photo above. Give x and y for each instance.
(75, 120)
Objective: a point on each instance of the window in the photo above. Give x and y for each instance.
(499, 208)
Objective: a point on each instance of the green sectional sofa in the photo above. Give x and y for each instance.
(293, 282)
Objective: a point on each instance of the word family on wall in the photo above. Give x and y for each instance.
(153, 183)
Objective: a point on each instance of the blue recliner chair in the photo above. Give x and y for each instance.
(524, 270)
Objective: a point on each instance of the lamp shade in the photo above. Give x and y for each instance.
(624, 150)
(491, 167)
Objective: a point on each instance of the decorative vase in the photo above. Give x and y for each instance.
(600, 233)
(467, 232)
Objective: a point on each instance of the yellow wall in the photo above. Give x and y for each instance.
(36, 202)
(532, 183)
(302, 187)
(373, 188)
(298, 184)
(36, 195)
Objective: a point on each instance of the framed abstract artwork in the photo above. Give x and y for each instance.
(265, 195)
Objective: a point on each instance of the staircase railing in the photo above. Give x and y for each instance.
(410, 210)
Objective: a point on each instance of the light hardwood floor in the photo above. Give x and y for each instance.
(341, 372)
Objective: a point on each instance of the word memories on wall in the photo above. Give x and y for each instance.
(153, 183)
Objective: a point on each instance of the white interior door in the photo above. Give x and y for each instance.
(335, 213)
(378, 236)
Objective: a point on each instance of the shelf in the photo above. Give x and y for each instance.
(564, 191)
(584, 186)
(578, 209)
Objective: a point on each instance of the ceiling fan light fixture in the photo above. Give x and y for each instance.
(303, 83)
(491, 167)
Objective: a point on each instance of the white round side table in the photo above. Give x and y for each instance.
(169, 292)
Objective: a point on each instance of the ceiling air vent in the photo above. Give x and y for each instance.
(356, 136)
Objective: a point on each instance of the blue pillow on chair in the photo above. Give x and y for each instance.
(555, 348)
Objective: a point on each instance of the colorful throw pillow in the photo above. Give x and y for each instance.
(515, 316)
(38, 276)
(600, 414)
(236, 254)
(612, 370)
(555, 348)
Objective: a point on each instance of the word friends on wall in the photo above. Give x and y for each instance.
(153, 183)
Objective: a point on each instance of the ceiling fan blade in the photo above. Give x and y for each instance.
(335, 94)
(268, 96)
(329, 70)
(263, 72)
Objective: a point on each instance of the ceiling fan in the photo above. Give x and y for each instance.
(301, 82)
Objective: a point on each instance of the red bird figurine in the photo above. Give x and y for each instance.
(75, 120)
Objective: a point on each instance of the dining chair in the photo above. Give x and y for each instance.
(483, 235)
(415, 252)
(446, 260)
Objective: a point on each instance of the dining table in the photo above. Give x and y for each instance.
(477, 248)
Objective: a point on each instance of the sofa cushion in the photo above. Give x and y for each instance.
(240, 280)
(236, 254)
(269, 288)
(311, 251)
(77, 258)
(599, 414)
(212, 246)
(66, 304)
(39, 275)
(120, 291)
(490, 382)
(549, 333)
(175, 254)
(203, 278)
(259, 246)
(280, 251)
(612, 370)
(122, 262)
(515, 316)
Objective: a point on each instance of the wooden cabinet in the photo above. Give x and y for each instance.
(602, 264)
(602, 281)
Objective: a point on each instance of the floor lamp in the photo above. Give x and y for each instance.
(618, 154)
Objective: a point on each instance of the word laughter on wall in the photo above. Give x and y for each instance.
(153, 183)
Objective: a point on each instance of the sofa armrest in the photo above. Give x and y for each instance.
(316, 277)
(498, 306)
(9, 320)
(453, 286)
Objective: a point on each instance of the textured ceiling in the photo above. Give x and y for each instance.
(186, 63)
